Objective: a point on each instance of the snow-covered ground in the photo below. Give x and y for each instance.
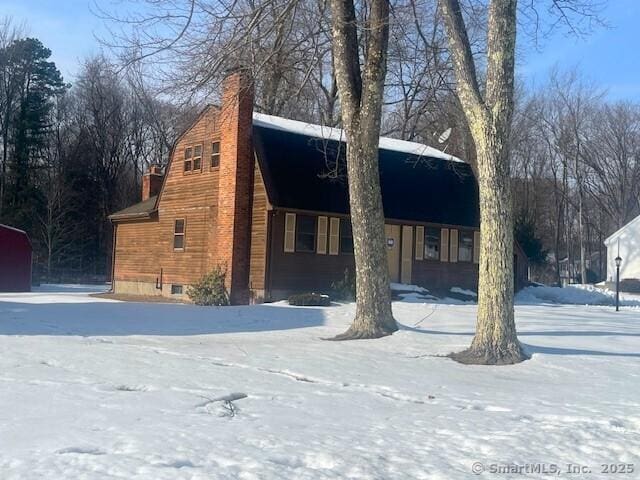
(92, 389)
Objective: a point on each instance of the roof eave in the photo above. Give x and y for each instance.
(617, 233)
(131, 216)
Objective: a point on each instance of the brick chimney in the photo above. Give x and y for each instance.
(235, 182)
(152, 182)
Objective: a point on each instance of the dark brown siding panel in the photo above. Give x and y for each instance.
(439, 277)
(301, 272)
(304, 272)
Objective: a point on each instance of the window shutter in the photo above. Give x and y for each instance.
(290, 232)
(476, 247)
(322, 235)
(334, 235)
(454, 245)
(444, 245)
(407, 254)
(419, 243)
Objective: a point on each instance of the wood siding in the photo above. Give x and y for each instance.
(291, 272)
(144, 247)
(258, 255)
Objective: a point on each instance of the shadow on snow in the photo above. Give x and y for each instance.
(533, 349)
(123, 318)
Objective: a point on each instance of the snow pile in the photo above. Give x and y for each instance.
(411, 293)
(405, 287)
(572, 295)
(95, 389)
(465, 292)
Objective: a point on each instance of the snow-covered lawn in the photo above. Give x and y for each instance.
(91, 388)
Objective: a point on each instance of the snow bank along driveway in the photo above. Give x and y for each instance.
(93, 389)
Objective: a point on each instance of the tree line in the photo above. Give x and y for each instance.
(72, 154)
(576, 175)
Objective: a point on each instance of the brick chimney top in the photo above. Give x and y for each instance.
(155, 169)
(152, 181)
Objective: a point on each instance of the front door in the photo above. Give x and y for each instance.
(392, 234)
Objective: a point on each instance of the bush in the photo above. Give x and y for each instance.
(310, 300)
(210, 290)
(345, 288)
(525, 234)
(592, 277)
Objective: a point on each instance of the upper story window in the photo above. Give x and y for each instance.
(178, 234)
(197, 157)
(193, 158)
(305, 233)
(432, 243)
(346, 236)
(188, 159)
(465, 246)
(215, 154)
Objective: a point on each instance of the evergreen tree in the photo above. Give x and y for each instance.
(38, 82)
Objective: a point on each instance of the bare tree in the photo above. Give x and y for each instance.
(9, 92)
(285, 44)
(55, 224)
(361, 92)
(612, 156)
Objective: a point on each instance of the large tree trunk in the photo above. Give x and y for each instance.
(361, 104)
(495, 340)
(373, 295)
(489, 115)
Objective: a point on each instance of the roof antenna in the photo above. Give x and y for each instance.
(444, 136)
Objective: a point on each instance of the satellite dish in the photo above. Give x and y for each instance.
(445, 135)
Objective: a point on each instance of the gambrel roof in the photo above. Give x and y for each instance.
(304, 168)
(307, 171)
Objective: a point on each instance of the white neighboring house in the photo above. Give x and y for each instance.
(626, 243)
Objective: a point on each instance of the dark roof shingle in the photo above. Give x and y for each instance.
(139, 210)
(297, 170)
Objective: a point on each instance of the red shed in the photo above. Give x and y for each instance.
(15, 260)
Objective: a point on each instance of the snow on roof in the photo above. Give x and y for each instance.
(12, 228)
(618, 232)
(330, 133)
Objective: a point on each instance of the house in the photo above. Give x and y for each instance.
(570, 272)
(624, 243)
(15, 260)
(267, 198)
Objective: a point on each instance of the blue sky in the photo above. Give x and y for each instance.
(609, 57)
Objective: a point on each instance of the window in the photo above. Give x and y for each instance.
(178, 234)
(346, 236)
(432, 243)
(188, 159)
(305, 233)
(197, 157)
(215, 154)
(176, 289)
(465, 247)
